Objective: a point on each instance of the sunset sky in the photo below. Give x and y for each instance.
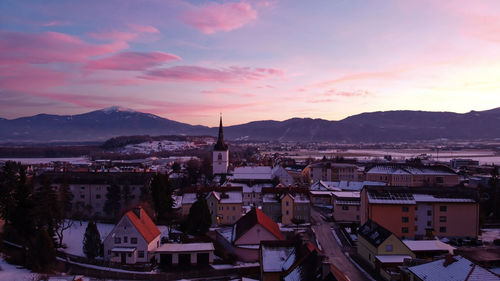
(252, 60)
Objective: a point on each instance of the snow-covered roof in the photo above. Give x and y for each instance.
(428, 245)
(461, 269)
(321, 192)
(252, 173)
(392, 258)
(188, 247)
(277, 259)
(188, 198)
(408, 170)
(270, 198)
(346, 194)
(228, 197)
(432, 198)
(300, 198)
(388, 197)
(347, 202)
(325, 186)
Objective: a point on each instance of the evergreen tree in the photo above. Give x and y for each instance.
(199, 218)
(47, 213)
(161, 192)
(92, 241)
(112, 205)
(42, 252)
(193, 167)
(176, 167)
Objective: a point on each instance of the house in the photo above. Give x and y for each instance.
(225, 206)
(428, 249)
(346, 206)
(421, 212)
(252, 193)
(380, 248)
(450, 268)
(89, 189)
(244, 237)
(189, 254)
(283, 175)
(405, 175)
(287, 206)
(294, 260)
(133, 238)
(252, 174)
(187, 201)
(330, 171)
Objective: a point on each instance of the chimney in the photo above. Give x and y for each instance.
(137, 211)
(449, 259)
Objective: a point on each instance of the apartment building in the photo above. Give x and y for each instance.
(226, 207)
(416, 213)
(404, 175)
(330, 171)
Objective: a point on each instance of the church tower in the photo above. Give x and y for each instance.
(220, 155)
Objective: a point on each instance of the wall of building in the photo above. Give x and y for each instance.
(255, 235)
(302, 211)
(346, 213)
(273, 210)
(286, 209)
(390, 216)
(461, 219)
(229, 213)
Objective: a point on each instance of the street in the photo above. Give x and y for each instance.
(331, 248)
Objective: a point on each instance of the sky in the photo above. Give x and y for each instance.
(251, 60)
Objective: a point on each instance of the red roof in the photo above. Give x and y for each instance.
(256, 216)
(146, 227)
(269, 224)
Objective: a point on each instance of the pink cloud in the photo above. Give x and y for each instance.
(352, 93)
(49, 47)
(25, 78)
(203, 74)
(214, 17)
(114, 35)
(132, 61)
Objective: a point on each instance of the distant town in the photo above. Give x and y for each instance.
(208, 208)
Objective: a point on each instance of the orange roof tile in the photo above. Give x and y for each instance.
(269, 224)
(146, 227)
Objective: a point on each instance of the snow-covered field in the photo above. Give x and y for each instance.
(15, 273)
(73, 237)
(158, 146)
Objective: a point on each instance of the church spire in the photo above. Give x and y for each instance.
(220, 145)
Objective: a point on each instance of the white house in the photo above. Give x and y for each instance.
(133, 239)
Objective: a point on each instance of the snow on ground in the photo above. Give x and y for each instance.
(15, 273)
(490, 234)
(238, 265)
(157, 146)
(73, 237)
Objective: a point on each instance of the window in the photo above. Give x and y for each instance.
(227, 208)
(287, 212)
(234, 218)
(357, 217)
(439, 180)
(442, 229)
(345, 207)
(405, 219)
(98, 196)
(442, 208)
(429, 213)
(406, 209)
(82, 196)
(234, 208)
(133, 240)
(357, 208)
(286, 203)
(442, 219)
(125, 239)
(429, 223)
(141, 254)
(212, 204)
(416, 218)
(388, 248)
(129, 255)
(118, 240)
(82, 188)
(404, 229)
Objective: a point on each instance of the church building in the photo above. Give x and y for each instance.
(220, 155)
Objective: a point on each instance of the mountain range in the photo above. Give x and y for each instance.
(386, 126)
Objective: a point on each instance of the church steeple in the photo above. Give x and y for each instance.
(220, 145)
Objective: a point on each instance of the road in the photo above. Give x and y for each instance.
(332, 250)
